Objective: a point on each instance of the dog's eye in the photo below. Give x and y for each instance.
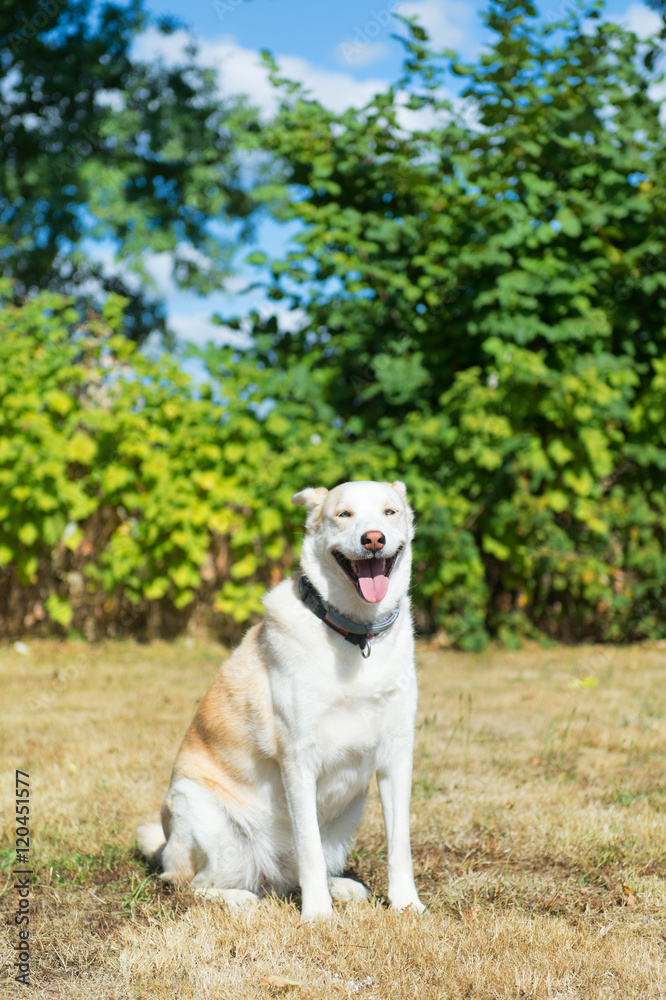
(343, 513)
(389, 510)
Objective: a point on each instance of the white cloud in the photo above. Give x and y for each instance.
(104, 253)
(111, 99)
(415, 121)
(451, 24)
(8, 85)
(242, 72)
(641, 20)
(160, 267)
(198, 328)
(337, 91)
(644, 22)
(290, 320)
(354, 53)
(658, 93)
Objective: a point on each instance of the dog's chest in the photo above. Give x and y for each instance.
(334, 702)
(355, 717)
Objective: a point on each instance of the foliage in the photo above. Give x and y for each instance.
(98, 144)
(126, 497)
(484, 291)
(131, 499)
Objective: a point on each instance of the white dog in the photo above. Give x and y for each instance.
(271, 778)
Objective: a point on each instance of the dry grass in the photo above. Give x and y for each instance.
(538, 831)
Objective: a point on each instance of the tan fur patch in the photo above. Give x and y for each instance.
(219, 750)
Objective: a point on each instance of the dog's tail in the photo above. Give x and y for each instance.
(151, 841)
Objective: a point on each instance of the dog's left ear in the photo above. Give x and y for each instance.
(309, 497)
(401, 490)
(399, 487)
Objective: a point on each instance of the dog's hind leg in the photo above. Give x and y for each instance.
(207, 847)
(233, 898)
(151, 841)
(347, 890)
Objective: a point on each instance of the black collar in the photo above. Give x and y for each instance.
(353, 632)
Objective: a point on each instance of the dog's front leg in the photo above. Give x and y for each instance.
(395, 786)
(301, 789)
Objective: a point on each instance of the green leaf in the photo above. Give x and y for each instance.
(28, 533)
(157, 588)
(6, 555)
(244, 567)
(80, 448)
(183, 599)
(58, 401)
(559, 452)
(569, 222)
(59, 610)
(258, 257)
(496, 548)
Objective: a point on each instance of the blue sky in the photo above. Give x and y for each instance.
(349, 33)
(342, 50)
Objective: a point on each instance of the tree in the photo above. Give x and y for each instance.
(97, 144)
(484, 298)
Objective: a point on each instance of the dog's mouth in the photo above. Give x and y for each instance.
(370, 576)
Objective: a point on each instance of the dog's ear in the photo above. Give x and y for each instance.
(401, 490)
(399, 487)
(309, 497)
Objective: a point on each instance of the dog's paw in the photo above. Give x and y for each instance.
(413, 903)
(316, 909)
(234, 898)
(346, 890)
(315, 916)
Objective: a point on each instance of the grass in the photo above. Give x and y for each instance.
(539, 836)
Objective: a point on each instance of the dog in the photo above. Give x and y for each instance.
(271, 778)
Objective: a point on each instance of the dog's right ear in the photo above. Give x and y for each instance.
(310, 498)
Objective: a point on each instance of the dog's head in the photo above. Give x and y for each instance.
(357, 548)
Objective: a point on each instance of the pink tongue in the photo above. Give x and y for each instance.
(371, 580)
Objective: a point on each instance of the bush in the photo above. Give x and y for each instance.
(128, 498)
(133, 500)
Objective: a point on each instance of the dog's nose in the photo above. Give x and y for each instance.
(373, 541)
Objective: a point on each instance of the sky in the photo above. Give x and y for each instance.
(343, 51)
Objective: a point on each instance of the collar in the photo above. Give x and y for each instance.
(352, 631)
